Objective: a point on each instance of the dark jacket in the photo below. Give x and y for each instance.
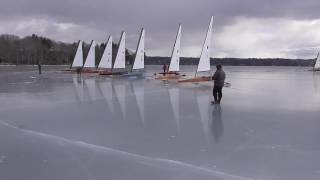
(219, 77)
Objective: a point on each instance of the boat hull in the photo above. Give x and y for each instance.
(89, 71)
(109, 73)
(169, 77)
(314, 69)
(196, 79)
(133, 74)
(71, 70)
(68, 70)
(167, 73)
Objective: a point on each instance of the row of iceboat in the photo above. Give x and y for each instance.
(105, 66)
(118, 68)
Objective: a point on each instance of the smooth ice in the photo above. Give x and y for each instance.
(63, 126)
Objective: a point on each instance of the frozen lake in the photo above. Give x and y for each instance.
(60, 126)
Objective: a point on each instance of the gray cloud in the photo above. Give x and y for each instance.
(70, 20)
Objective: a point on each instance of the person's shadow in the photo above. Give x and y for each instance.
(216, 124)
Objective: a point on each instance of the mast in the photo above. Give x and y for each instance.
(139, 57)
(106, 59)
(78, 57)
(120, 61)
(90, 60)
(175, 55)
(204, 61)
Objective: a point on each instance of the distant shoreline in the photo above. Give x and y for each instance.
(235, 61)
(158, 60)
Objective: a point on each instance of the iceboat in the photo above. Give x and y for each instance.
(120, 61)
(78, 58)
(173, 70)
(105, 64)
(204, 62)
(137, 69)
(89, 65)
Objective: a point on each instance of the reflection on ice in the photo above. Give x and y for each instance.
(105, 88)
(316, 82)
(120, 91)
(175, 104)
(203, 102)
(78, 84)
(138, 91)
(90, 89)
(216, 123)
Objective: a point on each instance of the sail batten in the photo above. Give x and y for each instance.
(78, 58)
(204, 62)
(175, 56)
(90, 60)
(139, 58)
(106, 59)
(120, 61)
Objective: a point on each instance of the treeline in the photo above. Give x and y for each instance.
(36, 49)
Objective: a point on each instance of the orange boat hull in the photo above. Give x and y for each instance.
(196, 79)
(168, 77)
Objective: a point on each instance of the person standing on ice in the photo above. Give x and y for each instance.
(164, 68)
(218, 78)
(39, 67)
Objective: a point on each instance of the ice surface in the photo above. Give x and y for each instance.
(63, 126)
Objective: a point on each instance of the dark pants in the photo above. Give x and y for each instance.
(164, 69)
(39, 68)
(217, 93)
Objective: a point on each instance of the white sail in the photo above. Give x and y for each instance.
(120, 61)
(106, 59)
(78, 58)
(175, 56)
(204, 62)
(90, 60)
(174, 101)
(317, 65)
(139, 59)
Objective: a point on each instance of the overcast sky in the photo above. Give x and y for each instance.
(242, 28)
